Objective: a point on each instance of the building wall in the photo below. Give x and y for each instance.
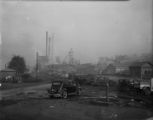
(122, 70)
(109, 70)
(135, 72)
(7, 76)
(144, 71)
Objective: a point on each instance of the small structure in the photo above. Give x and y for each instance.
(141, 70)
(122, 68)
(119, 69)
(109, 70)
(86, 69)
(62, 68)
(8, 75)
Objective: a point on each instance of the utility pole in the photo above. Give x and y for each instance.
(52, 48)
(52, 52)
(107, 89)
(49, 49)
(37, 67)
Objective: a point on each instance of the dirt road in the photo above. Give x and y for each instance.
(36, 105)
(12, 92)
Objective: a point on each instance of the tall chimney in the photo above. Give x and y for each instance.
(47, 43)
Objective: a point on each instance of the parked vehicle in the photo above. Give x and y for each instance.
(146, 86)
(64, 88)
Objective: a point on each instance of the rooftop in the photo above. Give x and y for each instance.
(8, 70)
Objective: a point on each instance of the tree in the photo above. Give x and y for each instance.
(17, 63)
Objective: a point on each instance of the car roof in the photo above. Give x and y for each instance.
(63, 80)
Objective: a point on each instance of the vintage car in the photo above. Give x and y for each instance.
(64, 88)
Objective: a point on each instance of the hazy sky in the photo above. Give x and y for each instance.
(92, 29)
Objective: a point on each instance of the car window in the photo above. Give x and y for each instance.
(56, 83)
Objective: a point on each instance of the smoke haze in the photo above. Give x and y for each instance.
(92, 29)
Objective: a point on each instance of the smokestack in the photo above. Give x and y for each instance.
(37, 62)
(52, 48)
(47, 43)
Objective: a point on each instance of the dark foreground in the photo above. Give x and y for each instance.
(36, 105)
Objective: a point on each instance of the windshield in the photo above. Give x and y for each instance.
(56, 85)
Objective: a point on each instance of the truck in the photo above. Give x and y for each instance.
(146, 86)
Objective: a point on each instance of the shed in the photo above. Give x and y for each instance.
(143, 70)
(7, 74)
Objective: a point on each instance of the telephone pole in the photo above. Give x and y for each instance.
(37, 67)
(52, 52)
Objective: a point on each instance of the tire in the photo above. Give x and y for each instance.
(78, 92)
(50, 96)
(64, 95)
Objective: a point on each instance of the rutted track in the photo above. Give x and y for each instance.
(11, 92)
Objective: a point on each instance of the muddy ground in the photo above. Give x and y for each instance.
(90, 105)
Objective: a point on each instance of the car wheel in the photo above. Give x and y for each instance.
(50, 96)
(64, 95)
(146, 91)
(79, 92)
